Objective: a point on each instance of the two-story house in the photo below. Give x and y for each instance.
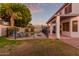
(65, 21)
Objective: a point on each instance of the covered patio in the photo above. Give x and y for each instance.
(55, 24)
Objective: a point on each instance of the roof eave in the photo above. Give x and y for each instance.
(56, 13)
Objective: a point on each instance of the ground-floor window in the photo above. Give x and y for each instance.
(74, 26)
(66, 26)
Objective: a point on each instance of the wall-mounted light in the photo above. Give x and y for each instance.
(49, 24)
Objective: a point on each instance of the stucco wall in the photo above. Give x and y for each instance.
(65, 32)
(75, 34)
(75, 8)
(71, 33)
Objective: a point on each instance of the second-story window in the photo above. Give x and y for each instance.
(68, 9)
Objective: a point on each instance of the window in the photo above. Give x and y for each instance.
(68, 9)
(66, 26)
(74, 26)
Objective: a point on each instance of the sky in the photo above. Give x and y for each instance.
(41, 12)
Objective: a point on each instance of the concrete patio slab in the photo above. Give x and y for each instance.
(74, 42)
(69, 40)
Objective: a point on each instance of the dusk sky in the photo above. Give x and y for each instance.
(41, 12)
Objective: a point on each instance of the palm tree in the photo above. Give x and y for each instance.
(16, 11)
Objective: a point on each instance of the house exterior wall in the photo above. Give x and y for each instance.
(75, 34)
(75, 12)
(63, 10)
(71, 33)
(75, 8)
(65, 32)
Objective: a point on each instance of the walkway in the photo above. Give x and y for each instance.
(71, 41)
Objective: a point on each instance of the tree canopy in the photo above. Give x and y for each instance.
(17, 13)
(30, 28)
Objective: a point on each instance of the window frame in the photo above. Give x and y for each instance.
(75, 29)
(66, 26)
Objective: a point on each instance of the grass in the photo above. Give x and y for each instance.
(4, 41)
(47, 48)
(39, 47)
(56, 47)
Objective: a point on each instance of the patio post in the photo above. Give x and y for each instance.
(50, 30)
(58, 27)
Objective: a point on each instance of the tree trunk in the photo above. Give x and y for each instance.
(12, 25)
(12, 21)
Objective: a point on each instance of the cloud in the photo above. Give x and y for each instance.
(35, 8)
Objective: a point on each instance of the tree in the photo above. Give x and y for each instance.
(30, 28)
(18, 14)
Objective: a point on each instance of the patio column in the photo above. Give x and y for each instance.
(58, 27)
(50, 30)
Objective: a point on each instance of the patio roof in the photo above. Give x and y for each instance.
(57, 12)
(63, 16)
(69, 15)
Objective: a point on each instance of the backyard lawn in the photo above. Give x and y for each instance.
(36, 47)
